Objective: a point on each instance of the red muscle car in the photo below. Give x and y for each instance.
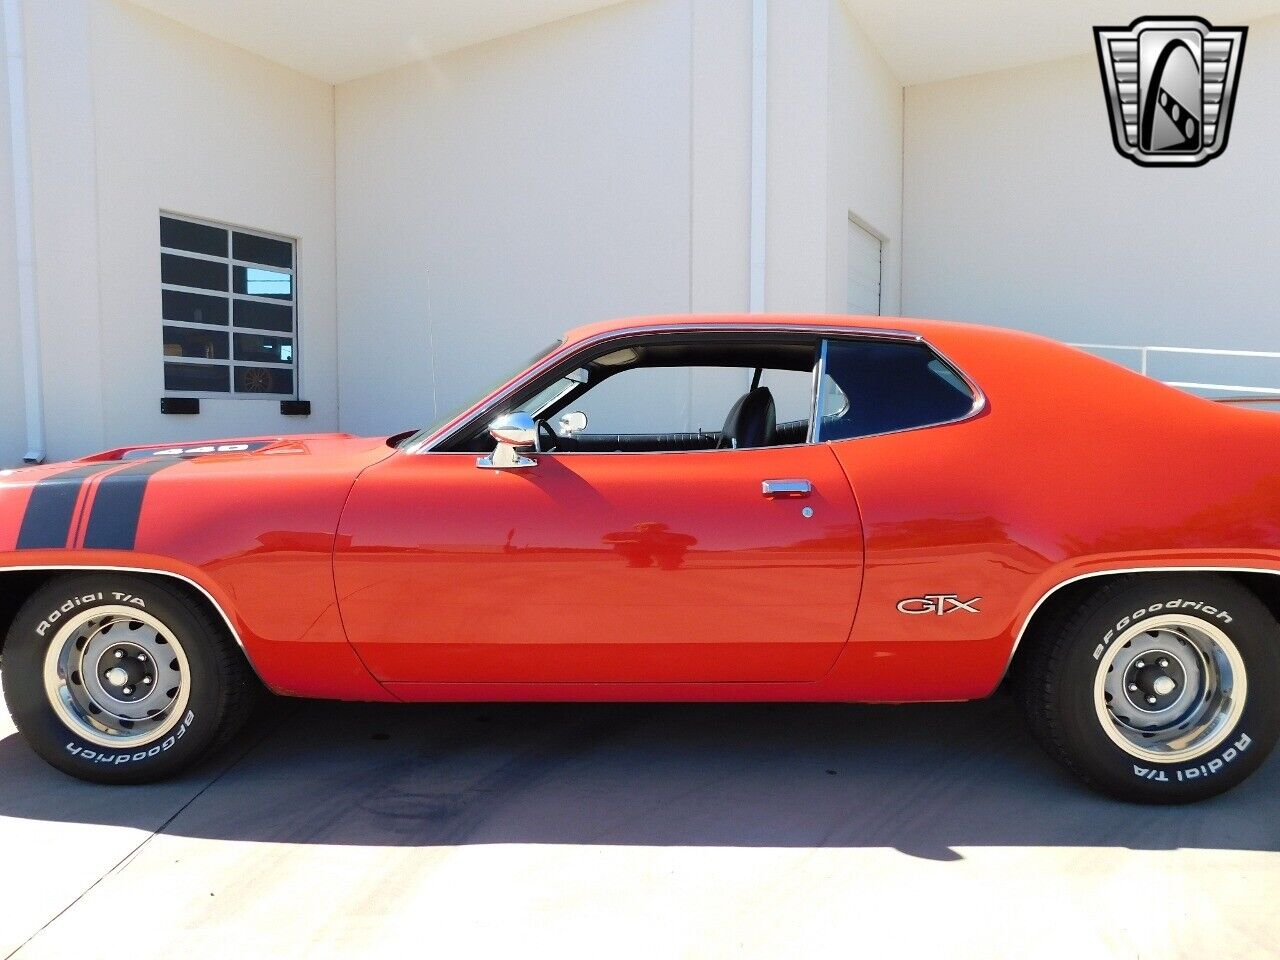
(893, 510)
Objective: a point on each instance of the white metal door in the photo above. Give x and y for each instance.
(863, 289)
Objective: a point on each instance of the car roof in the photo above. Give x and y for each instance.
(909, 325)
(1001, 361)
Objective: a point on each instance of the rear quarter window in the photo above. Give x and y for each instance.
(874, 386)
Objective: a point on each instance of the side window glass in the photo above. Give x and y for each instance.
(642, 400)
(658, 400)
(793, 398)
(873, 386)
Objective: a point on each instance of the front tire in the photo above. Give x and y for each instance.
(114, 678)
(1160, 688)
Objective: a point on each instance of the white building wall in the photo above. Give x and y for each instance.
(491, 198)
(132, 114)
(835, 148)
(482, 201)
(63, 162)
(597, 167)
(194, 126)
(12, 408)
(864, 175)
(1019, 212)
(456, 214)
(720, 176)
(799, 130)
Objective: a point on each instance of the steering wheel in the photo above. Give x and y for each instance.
(548, 439)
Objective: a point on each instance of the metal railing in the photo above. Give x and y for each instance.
(1144, 356)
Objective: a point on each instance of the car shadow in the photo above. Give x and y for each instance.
(928, 780)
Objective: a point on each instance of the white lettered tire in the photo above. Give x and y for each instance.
(115, 678)
(1158, 688)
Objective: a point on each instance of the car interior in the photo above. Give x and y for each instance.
(750, 417)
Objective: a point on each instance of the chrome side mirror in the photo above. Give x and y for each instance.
(573, 422)
(513, 432)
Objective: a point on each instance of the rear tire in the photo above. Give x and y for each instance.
(114, 678)
(1158, 689)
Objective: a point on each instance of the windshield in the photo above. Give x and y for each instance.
(476, 398)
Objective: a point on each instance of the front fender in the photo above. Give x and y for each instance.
(316, 662)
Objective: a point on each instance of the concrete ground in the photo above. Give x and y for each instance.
(629, 831)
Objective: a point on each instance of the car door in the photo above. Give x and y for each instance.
(601, 567)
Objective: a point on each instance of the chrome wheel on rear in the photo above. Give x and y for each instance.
(117, 677)
(1170, 688)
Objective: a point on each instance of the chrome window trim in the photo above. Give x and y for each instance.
(97, 567)
(817, 399)
(486, 404)
(1112, 572)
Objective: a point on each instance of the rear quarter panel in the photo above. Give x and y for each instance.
(1075, 466)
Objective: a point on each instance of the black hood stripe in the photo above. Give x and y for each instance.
(117, 506)
(52, 506)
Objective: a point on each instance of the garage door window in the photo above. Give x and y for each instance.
(229, 309)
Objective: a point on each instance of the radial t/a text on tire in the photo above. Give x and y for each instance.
(1158, 688)
(115, 678)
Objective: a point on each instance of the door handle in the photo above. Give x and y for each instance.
(786, 488)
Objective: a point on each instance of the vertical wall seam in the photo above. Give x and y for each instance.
(692, 105)
(902, 203)
(829, 188)
(759, 149)
(692, 202)
(24, 231)
(333, 226)
(98, 220)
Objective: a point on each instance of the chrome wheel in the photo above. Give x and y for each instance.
(1170, 688)
(117, 677)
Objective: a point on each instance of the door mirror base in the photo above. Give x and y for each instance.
(511, 433)
(505, 457)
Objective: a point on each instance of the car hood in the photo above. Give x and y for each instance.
(321, 452)
(151, 498)
(315, 447)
